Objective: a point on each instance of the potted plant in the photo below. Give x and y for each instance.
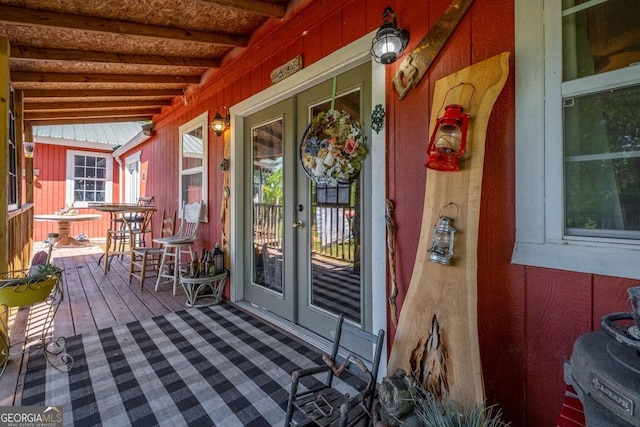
(26, 287)
(403, 401)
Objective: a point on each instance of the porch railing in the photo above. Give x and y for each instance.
(333, 233)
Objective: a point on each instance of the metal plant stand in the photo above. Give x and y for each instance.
(209, 287)
(18, 289)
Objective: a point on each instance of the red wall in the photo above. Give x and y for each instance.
(528, 318)
(49, 193)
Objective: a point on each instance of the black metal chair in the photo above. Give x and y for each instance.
(325, 405)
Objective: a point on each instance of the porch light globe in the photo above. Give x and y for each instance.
(218, 125)
(387, 45)
(390, 41)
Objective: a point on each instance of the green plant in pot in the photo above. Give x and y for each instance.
(26, 287)
(403, 401)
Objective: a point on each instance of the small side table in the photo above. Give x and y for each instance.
(196, 287)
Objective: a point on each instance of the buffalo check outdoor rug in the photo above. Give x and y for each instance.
(198, 367)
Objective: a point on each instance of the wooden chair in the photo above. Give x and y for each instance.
(145, 260)
(173, 245)
(325, 405)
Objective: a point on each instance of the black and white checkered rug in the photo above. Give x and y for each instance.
(209, 366)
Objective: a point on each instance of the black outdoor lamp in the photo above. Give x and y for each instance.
(390, 41)
(219, 123)
(218, 259)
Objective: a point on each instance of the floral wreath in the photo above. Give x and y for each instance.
(330, 152)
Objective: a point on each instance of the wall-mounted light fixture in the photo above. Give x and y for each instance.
(219, 123)
(441, 250)
(449, 139)
(29, 148)
(390, 41)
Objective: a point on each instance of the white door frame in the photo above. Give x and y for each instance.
(336, 63)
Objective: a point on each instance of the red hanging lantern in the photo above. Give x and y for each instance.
(449, 139)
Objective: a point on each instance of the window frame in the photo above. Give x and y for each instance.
(70, 179)
(200, 121)
(13, 156)
(540, 239)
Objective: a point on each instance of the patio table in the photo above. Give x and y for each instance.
(115, 236)
(64, 226)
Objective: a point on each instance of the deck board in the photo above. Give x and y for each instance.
(92, 300)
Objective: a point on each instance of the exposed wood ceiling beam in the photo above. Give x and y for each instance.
(85, 120)
(253, 6)
(41, 18)
(101, 105)
(97, 93)
(22, 77)
(52, 115)
(39, 54)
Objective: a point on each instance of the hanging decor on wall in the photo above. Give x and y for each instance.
(391, 257)
(286, 70)
(448, 293)
(416, 64)
(377, 118)
(332, 150)
(441, 250)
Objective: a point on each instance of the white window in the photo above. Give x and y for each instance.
(193, 161)
(89, 178)
(578, 135)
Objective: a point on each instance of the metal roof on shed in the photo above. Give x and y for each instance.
(112, 134)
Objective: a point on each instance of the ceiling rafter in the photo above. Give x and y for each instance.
(71, 106)
(52, 115)
(41, 54)
(83, 120)
(42, 18)
(99, 93)
(23, 77)
(253, 6)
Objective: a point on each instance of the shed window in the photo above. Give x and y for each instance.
(89, 178)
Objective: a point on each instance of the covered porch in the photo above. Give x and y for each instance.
(227, 356)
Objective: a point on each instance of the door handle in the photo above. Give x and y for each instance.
(298, 224)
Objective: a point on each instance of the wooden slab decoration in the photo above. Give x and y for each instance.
(437, 335)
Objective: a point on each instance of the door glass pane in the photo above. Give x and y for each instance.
(267, 200)
(335, 283)
(602, 164)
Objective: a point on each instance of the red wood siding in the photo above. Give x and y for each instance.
(528, 318)
(49, 193)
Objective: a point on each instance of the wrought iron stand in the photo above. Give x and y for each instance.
(17, 289)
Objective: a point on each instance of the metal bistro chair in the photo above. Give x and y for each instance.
(145, 260)
(172, 245)
(324, 405)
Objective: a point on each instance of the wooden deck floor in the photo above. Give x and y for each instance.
(92, 301)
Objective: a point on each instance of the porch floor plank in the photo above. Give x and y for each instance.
(92, 300)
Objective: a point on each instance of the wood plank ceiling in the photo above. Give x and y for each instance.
(92, 61)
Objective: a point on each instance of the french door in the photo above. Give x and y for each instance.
(307, 242)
